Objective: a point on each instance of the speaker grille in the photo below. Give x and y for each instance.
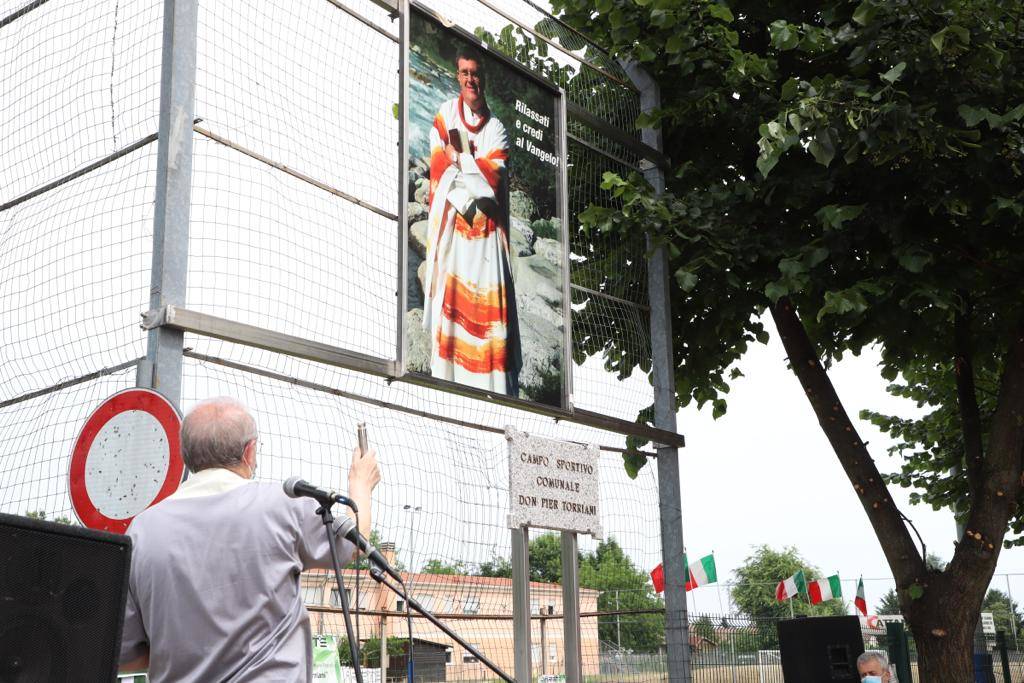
(62, 596)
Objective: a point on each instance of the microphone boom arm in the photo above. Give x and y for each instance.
(379, 577)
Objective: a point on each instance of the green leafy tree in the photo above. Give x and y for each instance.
(704, 628)
(436, 566)
(854, 169)
(754, 593)
(756, 579)
(1005, 613)
(369, 651)
(889, 604)
(623, 587)
(545, 561)
(497, 567)
(546, 558)
(41, 515)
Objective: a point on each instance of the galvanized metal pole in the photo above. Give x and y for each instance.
(1013, 616)
(403, 179)
(677, 633)
(571, 609)
(173, 191)
(522, 640)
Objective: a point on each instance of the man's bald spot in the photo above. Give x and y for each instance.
(215, 433)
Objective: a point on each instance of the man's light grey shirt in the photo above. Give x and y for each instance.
(214, 585)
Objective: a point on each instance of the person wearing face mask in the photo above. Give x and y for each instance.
(873, 667)
(213, 590)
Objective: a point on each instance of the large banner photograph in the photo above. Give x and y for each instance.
(486, 306)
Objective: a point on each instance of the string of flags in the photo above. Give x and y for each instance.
(703, 572)
(700, 573)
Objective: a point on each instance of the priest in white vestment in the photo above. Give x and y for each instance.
(469, 307)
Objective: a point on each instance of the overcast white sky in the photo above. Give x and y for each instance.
(764, 473)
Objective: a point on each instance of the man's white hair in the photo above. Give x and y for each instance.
(215, 433)
(881, 657)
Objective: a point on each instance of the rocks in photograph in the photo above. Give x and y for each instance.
(520, 237)
(415, 212)
(520, 204)
(417, 357)
(418, 238)
(549, 250)
(422, 193)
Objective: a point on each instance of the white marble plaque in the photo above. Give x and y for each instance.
(553, 484)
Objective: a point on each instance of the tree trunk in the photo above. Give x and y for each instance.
(942, 623)
(947, 659)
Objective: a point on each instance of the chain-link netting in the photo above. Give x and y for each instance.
(79, 103)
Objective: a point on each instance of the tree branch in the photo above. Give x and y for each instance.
(967, 399)
(1000, 476)
(906, 562)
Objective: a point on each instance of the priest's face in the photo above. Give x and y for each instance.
(471, 83)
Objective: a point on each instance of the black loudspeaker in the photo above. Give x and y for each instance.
(62, 597)
(820, 649)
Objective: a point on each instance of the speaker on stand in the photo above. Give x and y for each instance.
(820, 649)
(62, 596)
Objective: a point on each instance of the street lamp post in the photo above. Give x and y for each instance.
(413, 510)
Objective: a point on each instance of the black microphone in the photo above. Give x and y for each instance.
(347, 529)
(300, 488)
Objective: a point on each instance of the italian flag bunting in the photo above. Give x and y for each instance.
(658, 579)
(859, 602)
(791, 587)
(824, 589)
(699, 573)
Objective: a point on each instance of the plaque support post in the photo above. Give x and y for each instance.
(521, 636)
(571, 608)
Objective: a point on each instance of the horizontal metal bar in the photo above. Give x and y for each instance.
(584, 417)
(387, 5)
(360, 18)
(456, 616)
(295, 174)
(603, 295)
(659, 437)
(363, 399)
(594, 148)
(80, 172)
(18, 13)
(250, 335)
(557, 46)
(620, 136)
(70, 383)
(278, 342)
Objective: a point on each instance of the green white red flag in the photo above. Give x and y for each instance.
(700, 573)
(824, 589)
(860, 602)
(791, 587)
(658, 578)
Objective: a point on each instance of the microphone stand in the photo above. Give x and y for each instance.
(353, 647)
(379, 577)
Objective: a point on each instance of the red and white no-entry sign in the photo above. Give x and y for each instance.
(127, 457)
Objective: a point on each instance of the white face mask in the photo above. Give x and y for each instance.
(871, 679)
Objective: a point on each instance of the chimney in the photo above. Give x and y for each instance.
(387, 549)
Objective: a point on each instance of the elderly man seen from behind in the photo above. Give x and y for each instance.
(873, 667)
(214, 591)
